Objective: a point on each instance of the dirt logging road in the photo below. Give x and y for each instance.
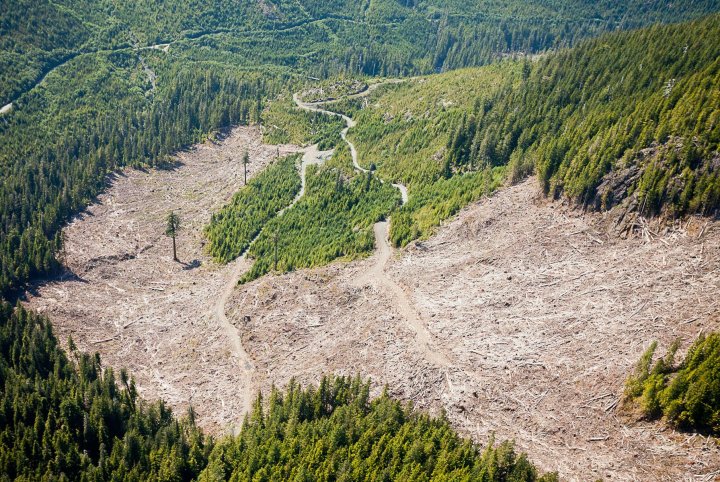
(311, 156)
(124, 297)
(495, 321)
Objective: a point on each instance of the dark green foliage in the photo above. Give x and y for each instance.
(97, 111)
(73, 419)
(688, 394)
(336, 433)
(233, 228)
(63, 419)
(638, 108)
(334, 219)
(58, 146)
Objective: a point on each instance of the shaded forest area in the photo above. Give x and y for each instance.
(66, 417)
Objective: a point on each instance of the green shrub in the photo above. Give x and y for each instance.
(687, 395)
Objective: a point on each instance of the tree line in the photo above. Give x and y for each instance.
(639, 106)
(63, 141)
(67, 417)
(685, 393)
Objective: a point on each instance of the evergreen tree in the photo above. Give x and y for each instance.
(172, 227)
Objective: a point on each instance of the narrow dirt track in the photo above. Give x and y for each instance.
(124, 297)
(244, 362)
(541, 315)
(311, 156)
(376, 275)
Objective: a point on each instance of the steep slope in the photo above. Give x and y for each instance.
(99, 55)
(632, 114)
(630, 118)
(69, 418)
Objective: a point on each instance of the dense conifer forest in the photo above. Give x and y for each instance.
(337, 432)
(414, 36)
(685, 393)
(233, 228)
(334, 219)
(66, 417)
(627, 114)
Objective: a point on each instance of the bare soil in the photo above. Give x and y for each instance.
(124, 297)
(520, 317)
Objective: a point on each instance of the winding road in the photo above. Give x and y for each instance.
(311, 156)
(377, 274)
(165, 46)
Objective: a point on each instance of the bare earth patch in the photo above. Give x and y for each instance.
(128, 300)
(532, 320)
(520, 317)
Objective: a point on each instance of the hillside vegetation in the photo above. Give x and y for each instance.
(631, 117)
(686, 394)
(233, 228)
(382, 37)
(334, 219)
(629, 114)
(336, 432)
(404, 131)
(284, 123)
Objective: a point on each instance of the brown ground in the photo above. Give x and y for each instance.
(519, 317)
(128, 300)
(530, 320)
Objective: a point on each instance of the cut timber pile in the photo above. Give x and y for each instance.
(125, 298)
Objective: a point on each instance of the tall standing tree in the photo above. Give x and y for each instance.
(246, 161)
(172, 226)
